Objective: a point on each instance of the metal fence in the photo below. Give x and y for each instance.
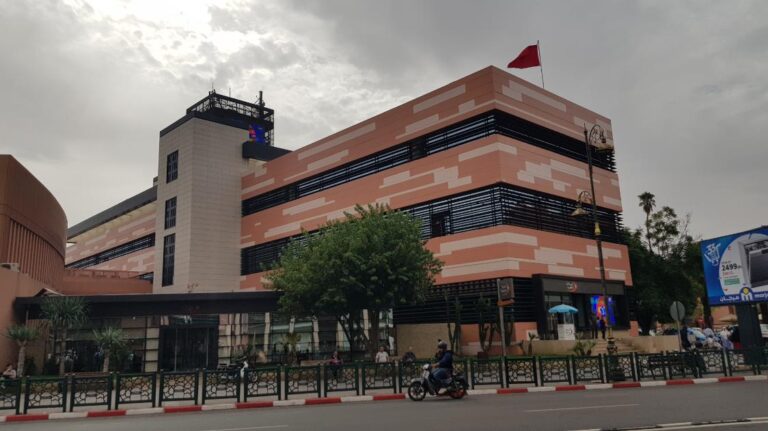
(282, 382)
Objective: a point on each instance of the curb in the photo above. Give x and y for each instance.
(366, 398)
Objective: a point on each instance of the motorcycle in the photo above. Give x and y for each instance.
(456, 388)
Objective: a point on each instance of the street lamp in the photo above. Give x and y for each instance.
(594, 137)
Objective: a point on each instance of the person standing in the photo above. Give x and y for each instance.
(409, 357)
(603, 326)
(382, 357)
(592, 325)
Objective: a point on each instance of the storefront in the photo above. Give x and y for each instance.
(584, 295)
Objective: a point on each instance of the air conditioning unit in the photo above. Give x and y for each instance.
(12, 266)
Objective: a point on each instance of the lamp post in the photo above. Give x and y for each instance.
(596, 135)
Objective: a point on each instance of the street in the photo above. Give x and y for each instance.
(555, 411)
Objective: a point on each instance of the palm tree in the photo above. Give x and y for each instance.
(109, 340)
(64, 313)
(22, 335)
(648, 203)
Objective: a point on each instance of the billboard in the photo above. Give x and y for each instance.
(736, 267)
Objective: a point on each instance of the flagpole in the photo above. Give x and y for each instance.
(541, 63)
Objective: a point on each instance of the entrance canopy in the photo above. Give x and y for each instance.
(162, 304)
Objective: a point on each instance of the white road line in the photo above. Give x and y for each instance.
(715, 425)
(251, 428)
(582, 408)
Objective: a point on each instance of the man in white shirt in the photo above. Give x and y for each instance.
(382, 356)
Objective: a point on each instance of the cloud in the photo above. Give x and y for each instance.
(92, 82)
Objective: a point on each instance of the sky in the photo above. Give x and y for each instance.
(87, 85)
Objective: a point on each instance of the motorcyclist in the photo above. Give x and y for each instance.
(443, 368)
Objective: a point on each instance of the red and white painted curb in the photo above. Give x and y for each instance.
(364, 398)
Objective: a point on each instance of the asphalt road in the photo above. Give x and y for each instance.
(556, 411)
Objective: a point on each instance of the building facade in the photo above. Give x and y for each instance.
(490, 164)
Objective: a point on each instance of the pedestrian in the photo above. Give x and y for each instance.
(382, 357)
(334, 364)
(409, 357)
(603, 326)
(593, 325)
(684, 340)
(10, 372)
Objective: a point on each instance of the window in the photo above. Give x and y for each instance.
(169, 249)
(481, 126)
(440, 224)
(170, 213)
(172, 166)
(477, 209)
(115, 252)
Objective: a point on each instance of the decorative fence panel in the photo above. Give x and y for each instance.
(712, 362)
(221, 385)
(683, 365)
(619, 368)
(587, 369)
(379, 376)
(651, 365)
(10, 395)
(179, 386)
(262, 382)
(341, 378)
(522, 371)
(555, 370)
(462, 367)
(91, 391)
(302, 380)
(136, 388)
(45, 392)
(486, 372)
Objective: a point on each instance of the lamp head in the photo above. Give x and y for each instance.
(579, 211)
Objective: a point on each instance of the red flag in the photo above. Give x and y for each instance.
(529, 57)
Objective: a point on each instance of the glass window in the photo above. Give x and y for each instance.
(169, 250)
(170, 213)
(172, 166)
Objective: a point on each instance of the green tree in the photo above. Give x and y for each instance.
(672, 273)
(372, 260)
(64, 313)
(648, 203)
(111, 341)
(22, 335)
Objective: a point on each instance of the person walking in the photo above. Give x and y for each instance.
(382, 357)
(592, 325)
(603, 326)
(409, 357)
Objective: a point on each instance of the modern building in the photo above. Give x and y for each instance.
(491, 164)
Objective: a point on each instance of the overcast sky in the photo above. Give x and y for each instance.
(87, 85)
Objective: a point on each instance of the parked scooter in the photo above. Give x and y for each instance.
(456, 388)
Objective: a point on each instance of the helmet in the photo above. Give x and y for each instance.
(442, 345)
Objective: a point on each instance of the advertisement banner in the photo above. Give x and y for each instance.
(736, 267)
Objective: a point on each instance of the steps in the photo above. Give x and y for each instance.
(624, 346)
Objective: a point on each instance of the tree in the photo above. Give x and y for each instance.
(648, 203)
(487, 322)
(372, 260)
(22, 335)
(672, 273)
(110, 340)
(64, 313)
(453, 321)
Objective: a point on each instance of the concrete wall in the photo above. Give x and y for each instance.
(654, 344)
(32, 224)
(208, 209)
(422, 337)
(12, 285)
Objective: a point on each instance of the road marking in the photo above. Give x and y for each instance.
(582, 408)
(251, 428)
(712, 425)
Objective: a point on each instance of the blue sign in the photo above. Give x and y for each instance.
(736, 267)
